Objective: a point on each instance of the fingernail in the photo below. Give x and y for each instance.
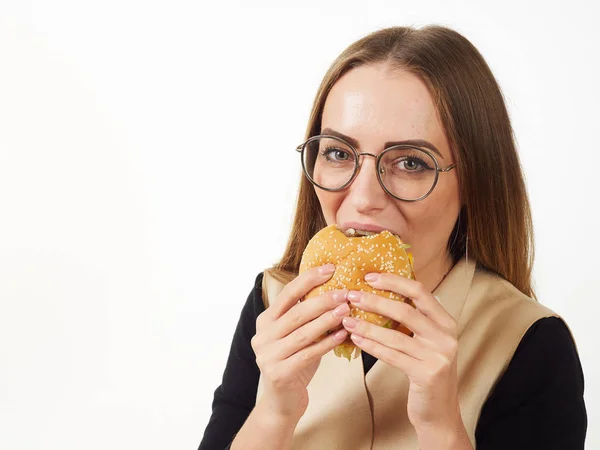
(354, 296)
(341, 310)
(340, 296)
(327, 269)
(437, 298)
(370, 277)
(339, 335)
(350, 322)
(356, 338)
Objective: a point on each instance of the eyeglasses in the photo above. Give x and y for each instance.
(405, 172)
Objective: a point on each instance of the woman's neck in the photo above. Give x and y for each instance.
(435, 271)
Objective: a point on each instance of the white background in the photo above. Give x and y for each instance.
(133, 131)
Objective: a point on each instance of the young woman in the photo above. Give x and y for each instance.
(409, 132)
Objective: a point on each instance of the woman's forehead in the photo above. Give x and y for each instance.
(374, 105)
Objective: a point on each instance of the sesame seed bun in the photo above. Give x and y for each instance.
(354, 257)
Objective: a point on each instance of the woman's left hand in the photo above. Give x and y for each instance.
(428, 358)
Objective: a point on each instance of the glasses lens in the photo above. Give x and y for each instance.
(408, 173)
(329, 163)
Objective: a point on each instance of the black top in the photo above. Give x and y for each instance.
(537, 403)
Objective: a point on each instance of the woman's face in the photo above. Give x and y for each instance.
(373, 106)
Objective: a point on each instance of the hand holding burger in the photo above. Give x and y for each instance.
(356, 253)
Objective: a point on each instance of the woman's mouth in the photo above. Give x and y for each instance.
(351, 232)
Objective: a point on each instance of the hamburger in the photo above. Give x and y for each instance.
(356, 253)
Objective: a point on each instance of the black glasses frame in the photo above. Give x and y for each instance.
(302, 147)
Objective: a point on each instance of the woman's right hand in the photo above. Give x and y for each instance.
(285, 342)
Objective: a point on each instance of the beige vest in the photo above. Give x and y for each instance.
(348, 410)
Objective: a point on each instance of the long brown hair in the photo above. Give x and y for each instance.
(496, 214)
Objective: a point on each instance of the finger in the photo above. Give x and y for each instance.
(394, 358)
(299, 287)
(312, 331)
(299, 315)
(399, 311)
(308, 355)
(392, 339)
(424, 301)
(306, 311)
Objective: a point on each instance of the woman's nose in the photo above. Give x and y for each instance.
(365, 193)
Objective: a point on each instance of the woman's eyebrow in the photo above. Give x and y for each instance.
(413, 142)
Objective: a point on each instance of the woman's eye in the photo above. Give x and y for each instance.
(410, 165)
(336, 154)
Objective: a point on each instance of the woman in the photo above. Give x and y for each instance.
(488, 367)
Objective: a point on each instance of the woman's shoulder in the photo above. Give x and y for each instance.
(272, 282)
(544, 370)
(542, 384)
(498, 293)
(258, 280)
(549, 344)
(253, 305)
(545, 360)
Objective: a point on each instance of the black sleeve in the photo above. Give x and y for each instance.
(235, 397)
(538, 402)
